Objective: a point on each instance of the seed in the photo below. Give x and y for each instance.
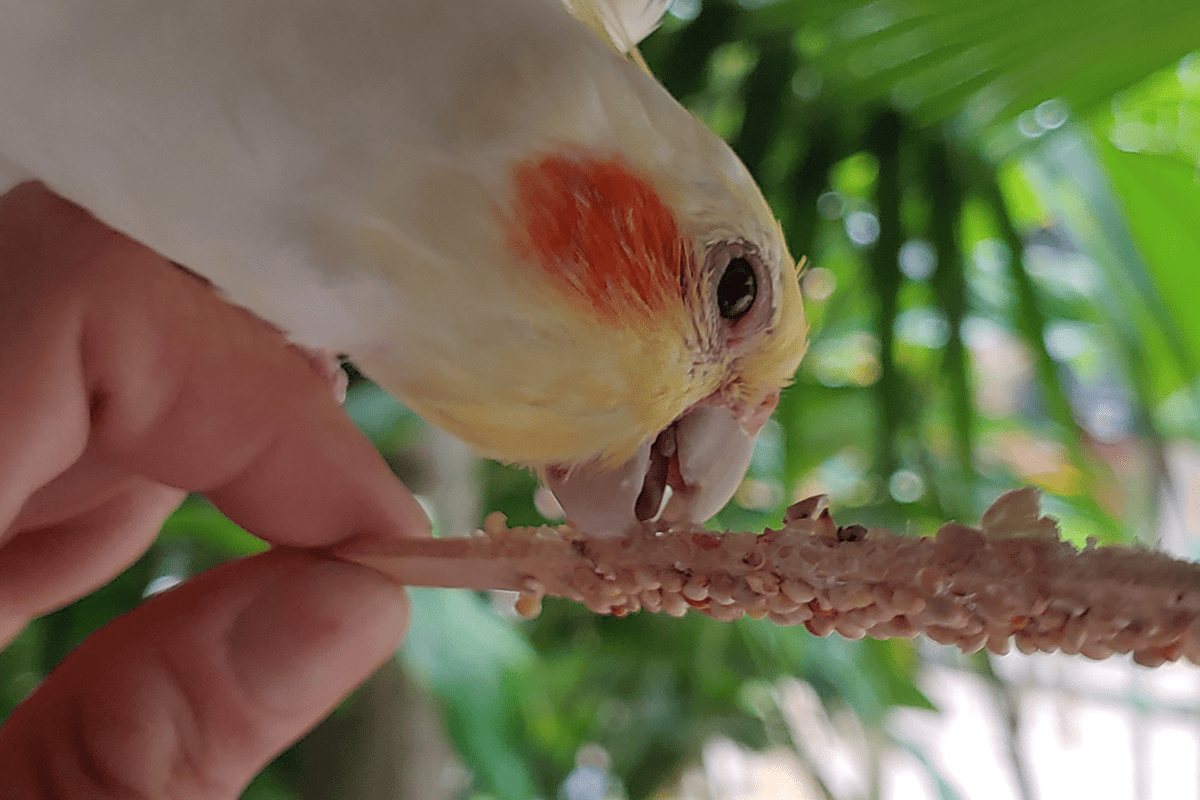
(744, 596)
(495, 524)
(851, 533)
(757, 609)
(1096, 651)
(942, 610)
(1149, 658)
(1191, 641)
(848, 629)
(754, 559)
(781, 604)
(844, 598)
(898, 627)
(1028, 645)
(1074, 634)
(825, 526)
(626, 580)
(721, 588)
(997, 644)
(763, 583)
(941, 634)
(598, 605)
(808, 508)
(673, 604)
(971, 626)
(797, 590)
(882, 595)
(724, 613)
(820, 625)
(859, 617)
(931, 580)
(993, 603)
(906, 601)
(794, 618)
(651, 600)
(1125, 640)
(974, 642)
(581, 576)
(874, 614)
(1053, 619)
(529, 605)
(956, 543)
(696, 590)
(646, 579)
(672, 581)
(883, 629)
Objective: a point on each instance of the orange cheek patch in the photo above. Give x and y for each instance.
(601, 233)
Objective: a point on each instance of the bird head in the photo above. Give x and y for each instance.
(634, 344)
(622, 313)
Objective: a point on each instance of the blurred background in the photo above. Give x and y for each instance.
(1000, 210)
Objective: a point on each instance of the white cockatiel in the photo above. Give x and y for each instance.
(489, 205)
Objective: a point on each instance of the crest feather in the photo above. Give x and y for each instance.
(620, 23)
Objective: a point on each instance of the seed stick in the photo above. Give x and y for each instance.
(1012, 579)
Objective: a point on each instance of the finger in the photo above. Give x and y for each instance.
(203, 684)
(45, 568)
(190, 391)
(43, 411)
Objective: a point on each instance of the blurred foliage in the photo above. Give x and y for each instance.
(999, 207)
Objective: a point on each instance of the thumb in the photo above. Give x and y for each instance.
(192, 693)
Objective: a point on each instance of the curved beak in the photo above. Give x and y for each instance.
(686, 474)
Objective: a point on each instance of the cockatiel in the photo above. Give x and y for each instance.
(490, 205)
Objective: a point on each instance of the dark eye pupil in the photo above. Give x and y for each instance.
(736, 291)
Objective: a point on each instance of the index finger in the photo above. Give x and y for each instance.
(189, 391)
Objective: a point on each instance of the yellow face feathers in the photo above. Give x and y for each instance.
(605, 327)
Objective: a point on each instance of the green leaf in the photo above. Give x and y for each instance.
(765, 92)
(884, 260)
(944, 184)
(982, 64)
(22, 666)
(470, 658)
(1161, 201)
(269, 785)
(385, 421)
(198, 522)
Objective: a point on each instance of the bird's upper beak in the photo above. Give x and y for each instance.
(687, 473)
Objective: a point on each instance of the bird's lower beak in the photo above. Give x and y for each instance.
(686, 474)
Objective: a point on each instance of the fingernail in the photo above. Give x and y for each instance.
(340, 383)
(315, 633)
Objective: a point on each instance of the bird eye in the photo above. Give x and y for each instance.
(737, 289)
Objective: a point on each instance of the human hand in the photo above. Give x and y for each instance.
(126, 381)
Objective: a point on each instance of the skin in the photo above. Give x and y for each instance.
(126, 382)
